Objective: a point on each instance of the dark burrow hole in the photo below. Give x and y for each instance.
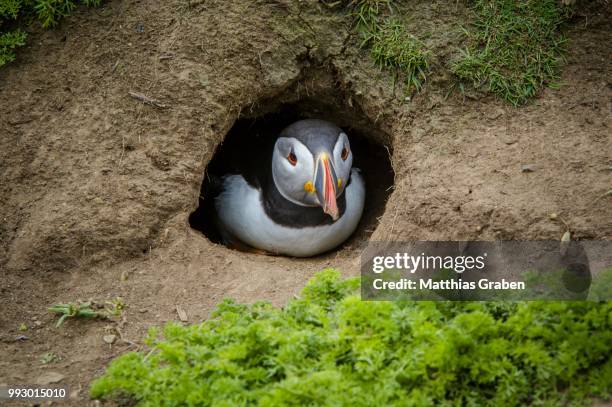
(250, 133)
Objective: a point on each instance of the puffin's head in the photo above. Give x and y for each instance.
(311, 164)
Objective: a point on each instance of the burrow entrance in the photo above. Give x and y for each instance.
(256, 132)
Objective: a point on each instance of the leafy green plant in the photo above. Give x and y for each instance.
(47, 12)
(49, 357)
(515, 48)
(115, 306)
(8, 42)
(75, 310)
(330, 348)
(86, 310)
(10, 8)
(601, 289)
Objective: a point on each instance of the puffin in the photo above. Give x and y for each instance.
(299, 198)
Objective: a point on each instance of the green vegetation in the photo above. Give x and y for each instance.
(515, 47)
(86, 310)
(49, 357)
(330, 348)
(367, 12)
(391, 46)
(18, 12)
(74, 310)
(8, 42)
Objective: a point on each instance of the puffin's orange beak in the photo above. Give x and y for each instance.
(326, 186)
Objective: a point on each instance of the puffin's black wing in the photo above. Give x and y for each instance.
(248, 154)
(255, 160)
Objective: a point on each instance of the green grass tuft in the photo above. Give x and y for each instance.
(515, 48)
(330, 348)
(390, 44)
(367, 12)
(392, 47)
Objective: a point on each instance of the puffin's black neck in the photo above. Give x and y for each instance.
(286, 213)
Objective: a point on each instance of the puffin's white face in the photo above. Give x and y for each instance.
(312, 178)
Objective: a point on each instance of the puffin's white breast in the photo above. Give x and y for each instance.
(241, 213)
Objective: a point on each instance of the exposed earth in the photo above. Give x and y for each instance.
(96, 187)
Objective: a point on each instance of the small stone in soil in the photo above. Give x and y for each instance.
(528, 168)
(110, 339)
(181, 314)
(49, 377)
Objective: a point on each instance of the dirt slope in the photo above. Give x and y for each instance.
(96, 188)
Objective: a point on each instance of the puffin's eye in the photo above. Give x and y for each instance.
(344, 154)
(292, 158)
